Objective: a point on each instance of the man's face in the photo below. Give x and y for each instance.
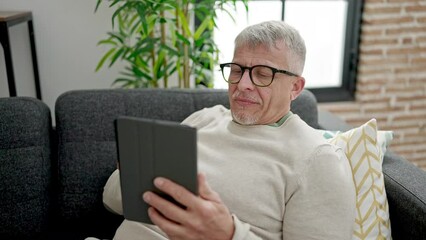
(263, 105)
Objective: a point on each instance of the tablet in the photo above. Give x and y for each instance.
(148, 149)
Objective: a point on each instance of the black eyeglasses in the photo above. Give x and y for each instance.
(260, 75)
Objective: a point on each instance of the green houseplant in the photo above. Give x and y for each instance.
(158, 40)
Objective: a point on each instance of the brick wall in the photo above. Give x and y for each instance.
(391, 82)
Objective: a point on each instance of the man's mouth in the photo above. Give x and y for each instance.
(244, 101)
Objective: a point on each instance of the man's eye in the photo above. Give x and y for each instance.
(264, 73)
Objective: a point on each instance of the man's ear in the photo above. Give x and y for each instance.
(298, 86)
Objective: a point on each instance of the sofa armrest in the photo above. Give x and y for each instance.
(406, 192)
(25, 168)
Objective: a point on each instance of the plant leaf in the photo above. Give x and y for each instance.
(117, 12)
(116, 36)
(201, 28)
(184, 21)
(159, 63)
(107, 41)
(104, 58)
(116, 56)
(97, 5)
(182, 38)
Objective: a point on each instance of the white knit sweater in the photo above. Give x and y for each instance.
(282, 182)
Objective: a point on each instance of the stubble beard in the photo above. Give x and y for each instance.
(240, 114)
(243, 118)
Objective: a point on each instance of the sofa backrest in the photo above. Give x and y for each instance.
(25, 168)
(86, 139)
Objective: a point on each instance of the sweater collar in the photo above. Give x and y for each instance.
(281, 121)
(275, 124)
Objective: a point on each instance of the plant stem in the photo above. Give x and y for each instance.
(154, 75)
(163, 41)
(185, 52)
(177, 28)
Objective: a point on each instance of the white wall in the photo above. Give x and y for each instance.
(66, 34)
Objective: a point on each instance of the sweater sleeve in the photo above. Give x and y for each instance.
(323, 206)
(112, 194)
(242, 231)
(205, 116)
(193, 119)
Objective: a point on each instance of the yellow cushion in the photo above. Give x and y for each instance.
(364, 148)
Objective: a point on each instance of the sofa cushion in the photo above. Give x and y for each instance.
(25, 167)
(365, 148)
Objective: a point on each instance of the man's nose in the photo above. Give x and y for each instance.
(245, 82)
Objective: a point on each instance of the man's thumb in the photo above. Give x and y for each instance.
(205, 190)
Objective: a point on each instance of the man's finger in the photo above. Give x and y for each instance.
(165, 207)
(176, 191)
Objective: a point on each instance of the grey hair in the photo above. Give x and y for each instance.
(269, 34)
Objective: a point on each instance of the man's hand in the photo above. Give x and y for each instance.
(205, 216)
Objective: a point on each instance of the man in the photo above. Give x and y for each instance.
(270, 175)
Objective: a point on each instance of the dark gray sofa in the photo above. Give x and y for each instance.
(52, 178)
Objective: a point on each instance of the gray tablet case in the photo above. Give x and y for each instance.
(150, 148)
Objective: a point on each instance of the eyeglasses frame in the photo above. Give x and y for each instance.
(243, 70)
